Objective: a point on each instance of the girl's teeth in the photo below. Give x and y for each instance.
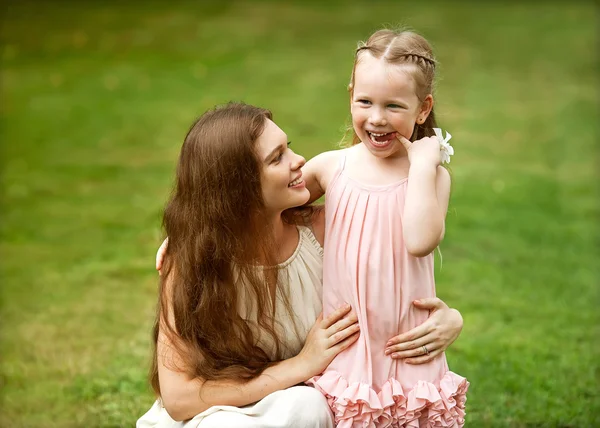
(388, 136)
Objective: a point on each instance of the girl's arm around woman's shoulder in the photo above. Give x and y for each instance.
(319, 171)
(184, 397)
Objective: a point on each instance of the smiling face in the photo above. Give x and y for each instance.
(281, 174)
(384, 104)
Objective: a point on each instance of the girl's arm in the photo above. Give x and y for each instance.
(184, 397)
(425, 208)
(318, 171)
(426, 197)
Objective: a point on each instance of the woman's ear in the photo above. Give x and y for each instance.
(426, 107)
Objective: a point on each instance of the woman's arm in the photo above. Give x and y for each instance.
(440, 330)
(184, 397)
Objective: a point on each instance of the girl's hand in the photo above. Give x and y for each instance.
(425, 342)
(424, 151)
(160, 255)
(327, 338)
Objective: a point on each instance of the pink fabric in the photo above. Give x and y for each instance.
(367, 265)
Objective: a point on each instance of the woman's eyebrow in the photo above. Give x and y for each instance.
(275, 150)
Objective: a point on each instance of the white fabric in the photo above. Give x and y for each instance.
(301, 278)
(296, 407)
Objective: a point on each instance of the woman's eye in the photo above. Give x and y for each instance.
(278, 158)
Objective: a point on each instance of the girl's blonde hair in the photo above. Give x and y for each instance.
(402, 47)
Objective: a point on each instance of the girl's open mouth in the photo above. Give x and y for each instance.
(381, 140)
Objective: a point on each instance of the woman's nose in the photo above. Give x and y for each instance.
(298, 161)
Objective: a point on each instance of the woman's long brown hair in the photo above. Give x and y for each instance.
(217, 238)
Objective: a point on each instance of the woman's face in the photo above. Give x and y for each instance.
(281, 175)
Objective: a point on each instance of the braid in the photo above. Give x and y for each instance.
(410, 56)
(414, 57)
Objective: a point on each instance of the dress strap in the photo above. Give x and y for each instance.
(338, 172)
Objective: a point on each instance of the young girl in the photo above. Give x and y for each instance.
(386, 202)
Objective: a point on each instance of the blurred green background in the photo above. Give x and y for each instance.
(98, 95)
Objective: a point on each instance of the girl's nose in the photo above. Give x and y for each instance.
(377, 119)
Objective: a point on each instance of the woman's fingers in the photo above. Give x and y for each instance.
(430, 303)
(417, 351)
(413, 344)
(345, 322)
(413, 334)
(424, 358)
(335, 316)
(341, 335)
(344, 344)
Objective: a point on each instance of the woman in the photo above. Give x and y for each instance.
(238, 317)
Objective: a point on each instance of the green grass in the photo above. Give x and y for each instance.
(96, 99)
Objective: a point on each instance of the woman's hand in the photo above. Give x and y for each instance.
(160, 255)
(425, 342)
(425, 151)
(327, 338)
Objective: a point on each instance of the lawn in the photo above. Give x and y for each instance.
(98, 95)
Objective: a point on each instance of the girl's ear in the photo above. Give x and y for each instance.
(426, 107)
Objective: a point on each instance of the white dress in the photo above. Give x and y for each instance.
(300, 406)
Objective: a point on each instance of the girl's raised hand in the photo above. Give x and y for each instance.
(426, 341)
(160, 254)
(424, 151)
(327, 338)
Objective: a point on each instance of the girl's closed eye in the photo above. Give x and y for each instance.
(363, 101)
(396, 106)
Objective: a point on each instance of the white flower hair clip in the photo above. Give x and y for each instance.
(446, 150)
